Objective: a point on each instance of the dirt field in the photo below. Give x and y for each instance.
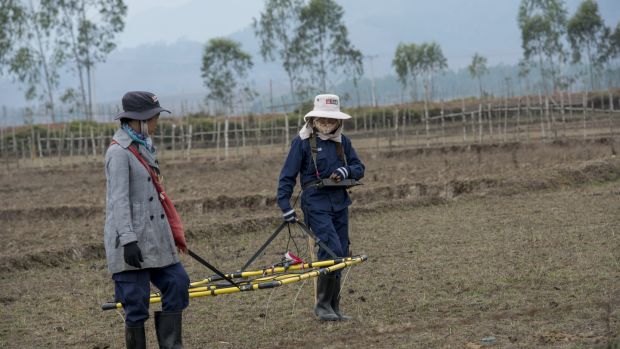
(515, 241)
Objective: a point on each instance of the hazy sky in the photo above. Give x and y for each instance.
(196, 20)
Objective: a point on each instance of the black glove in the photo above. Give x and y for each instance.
(132, 254)
(290, 216)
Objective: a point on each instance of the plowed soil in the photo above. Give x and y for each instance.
(519, 242)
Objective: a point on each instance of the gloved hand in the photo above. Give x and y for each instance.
(132, 254)
(340, 174)
(290, 216)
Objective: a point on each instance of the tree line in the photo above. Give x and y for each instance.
(39, 38)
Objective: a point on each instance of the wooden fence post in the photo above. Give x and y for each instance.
(443, 125)
(92, 142)
(15, 145)
(217, 141)
(490, 113)
(286, 130)
(563, 114)
(505, 119)
(173, 135)
(542, 117)
(40, 148)
(464, 119)
(162, 141)
(518, 133)
(2, 142)
(480, 123)
(243, 136)
(189, 142)
(48, 145)
(226, 125)
(80, 145)
(584, 100)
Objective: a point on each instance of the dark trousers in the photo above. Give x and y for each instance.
(333, 229)
(132, 288)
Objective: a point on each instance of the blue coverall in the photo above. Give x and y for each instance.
(325, 209)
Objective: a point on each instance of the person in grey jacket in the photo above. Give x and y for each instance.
(139, 243)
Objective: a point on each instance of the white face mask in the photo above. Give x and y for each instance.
(326, 125)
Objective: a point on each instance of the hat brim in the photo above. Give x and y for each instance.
(140, 115)
(327, 114)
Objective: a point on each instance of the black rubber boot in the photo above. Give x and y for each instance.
(335, 301)
(323, 308)
(134, 337)
(168, 326)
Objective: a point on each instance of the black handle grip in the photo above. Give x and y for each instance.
(108, 306)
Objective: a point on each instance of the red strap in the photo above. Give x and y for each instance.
(178, 233)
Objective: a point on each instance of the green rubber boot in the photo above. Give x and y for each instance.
(335, 301)
(323, 308)
(134, 337)
(168, 326)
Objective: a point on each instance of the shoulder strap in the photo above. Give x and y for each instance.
(313, 152)
(148, 167)
(341, 154)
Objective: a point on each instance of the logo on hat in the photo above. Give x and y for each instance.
(154, 98)
(331, 101)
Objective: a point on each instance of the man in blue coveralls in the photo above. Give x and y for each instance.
(320, 152)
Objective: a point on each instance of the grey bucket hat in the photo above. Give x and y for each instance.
(140, 105)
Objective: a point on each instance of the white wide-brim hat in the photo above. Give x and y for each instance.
(327, 106)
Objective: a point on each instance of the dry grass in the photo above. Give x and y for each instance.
(519, 242)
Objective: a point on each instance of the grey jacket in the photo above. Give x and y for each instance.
(133, 210)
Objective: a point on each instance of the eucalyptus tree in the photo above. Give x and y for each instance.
(407, 65)
(323, 44)
(88, 29)
(587, 32)
(28, 49)
(431, 61)
(275, 32)
(542, 24)
(477, 69)
(224, 67)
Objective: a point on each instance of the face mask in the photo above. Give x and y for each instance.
(326, 125)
